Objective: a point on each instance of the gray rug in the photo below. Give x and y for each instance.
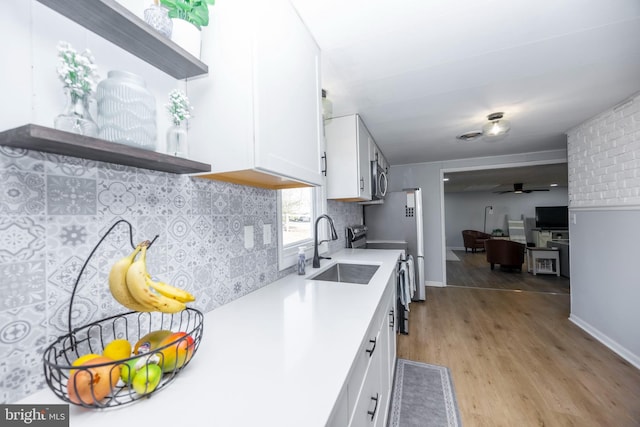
(423, 396)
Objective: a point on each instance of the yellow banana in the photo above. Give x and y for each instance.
(170, 291)
(118, 285)
(136, 280)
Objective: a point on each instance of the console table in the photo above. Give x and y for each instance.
(563, 249)
(543, 261)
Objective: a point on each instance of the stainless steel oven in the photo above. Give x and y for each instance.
(356, 237)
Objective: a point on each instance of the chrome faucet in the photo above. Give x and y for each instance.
(334, 236)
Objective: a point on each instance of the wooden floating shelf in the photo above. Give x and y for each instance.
(115, 23)
(41, 138)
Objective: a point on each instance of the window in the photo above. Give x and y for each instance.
(297, 210)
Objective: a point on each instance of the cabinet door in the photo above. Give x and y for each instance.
(343, 177)
(287, 94)
(388, 359)
(221, 132)
(364, 166)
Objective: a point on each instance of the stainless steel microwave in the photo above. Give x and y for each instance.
(379, 181)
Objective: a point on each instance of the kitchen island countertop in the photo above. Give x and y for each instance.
(278, 356)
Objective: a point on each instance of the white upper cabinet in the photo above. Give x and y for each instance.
(258, 119)
(348, 159)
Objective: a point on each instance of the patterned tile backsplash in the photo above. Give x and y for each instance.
(53, 211)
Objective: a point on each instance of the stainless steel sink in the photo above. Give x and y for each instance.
(347, 273)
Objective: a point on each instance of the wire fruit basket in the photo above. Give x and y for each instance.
(101, 382)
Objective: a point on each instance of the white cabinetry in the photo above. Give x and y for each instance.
(388, 354)
(259, 119)
(376, 154)
(348, 162)
(367, 395)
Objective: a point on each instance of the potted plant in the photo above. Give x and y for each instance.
(188, 16)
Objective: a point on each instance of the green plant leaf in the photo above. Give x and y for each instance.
(193, 11)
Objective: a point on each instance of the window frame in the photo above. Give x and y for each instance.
(288, 255)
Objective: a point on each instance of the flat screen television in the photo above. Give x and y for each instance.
(552, 217)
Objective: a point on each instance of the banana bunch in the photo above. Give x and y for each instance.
(131, 285)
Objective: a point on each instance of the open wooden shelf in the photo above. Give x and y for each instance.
(115, 23)
(41, 138)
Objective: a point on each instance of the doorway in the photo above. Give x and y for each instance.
(484, 199)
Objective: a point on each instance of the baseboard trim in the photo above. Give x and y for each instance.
(604, 339)
(434, 284)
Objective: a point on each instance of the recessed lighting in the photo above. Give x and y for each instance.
(553, 185)
(469, 136)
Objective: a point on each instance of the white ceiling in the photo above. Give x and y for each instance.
(420, 72)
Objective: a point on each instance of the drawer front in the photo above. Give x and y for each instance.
(368, 349)
(369, 408)
(365, 386)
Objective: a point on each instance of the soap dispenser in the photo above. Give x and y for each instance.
(301, 261)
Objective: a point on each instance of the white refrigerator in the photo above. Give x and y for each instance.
(399, 219)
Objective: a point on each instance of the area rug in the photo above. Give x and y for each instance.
(423, 396)
(451, 256)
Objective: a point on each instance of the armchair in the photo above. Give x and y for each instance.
(474, 239)
(507, 253)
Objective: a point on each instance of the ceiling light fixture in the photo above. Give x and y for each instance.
(496, 126)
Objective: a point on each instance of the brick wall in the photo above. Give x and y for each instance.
(604, 158)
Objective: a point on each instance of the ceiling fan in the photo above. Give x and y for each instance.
(518, 189)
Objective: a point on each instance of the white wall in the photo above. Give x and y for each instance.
(604, 194)
(465, 210)
(428, 176)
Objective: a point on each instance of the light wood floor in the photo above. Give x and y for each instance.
(517, 360)
(473, 271)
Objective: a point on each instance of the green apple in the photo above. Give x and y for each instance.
(128, 370)
(147, 378)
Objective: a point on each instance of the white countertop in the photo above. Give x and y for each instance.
(278, 356)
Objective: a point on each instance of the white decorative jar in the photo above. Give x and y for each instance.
(187, 36)
(126, 110)
(157, 16)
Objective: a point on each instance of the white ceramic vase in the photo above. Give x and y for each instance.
(126, 110)
(187, 36)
